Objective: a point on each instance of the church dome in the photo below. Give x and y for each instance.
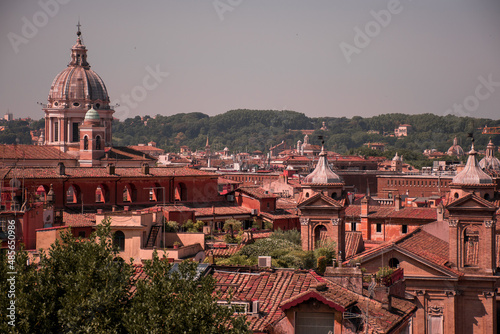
(455, 149)
(490, 161)
(472, 173)
(78, 85)
(322, 174)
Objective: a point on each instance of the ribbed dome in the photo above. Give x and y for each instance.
(455, 149)
(322, 174)
(490, 161)
(472, 173)
(78, 81)
(92, 115)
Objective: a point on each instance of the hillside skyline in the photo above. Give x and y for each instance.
(322, 59)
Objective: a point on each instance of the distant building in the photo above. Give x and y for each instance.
(403, 130)
(376, 146)
(8, 116)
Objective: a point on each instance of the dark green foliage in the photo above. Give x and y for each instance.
(187, 304)
(81, 286)
(322, 264)
(285, 249)
(250, 130)
(291, 235)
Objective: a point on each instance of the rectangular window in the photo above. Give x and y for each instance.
(404, 229)
(314, 322)
(353, 226)
(435, 324)
(76, 133)
(56, 131)
(378, 228)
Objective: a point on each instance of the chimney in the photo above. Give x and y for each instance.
(61, 168)
(110, 169)
(145, 169)
(440, 212)
(365, 207)
(397, 202)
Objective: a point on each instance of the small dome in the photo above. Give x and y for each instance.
(396, 157)
(322, 174)
(472, 173)
(490, 162)
(455, 149)
(92, 115)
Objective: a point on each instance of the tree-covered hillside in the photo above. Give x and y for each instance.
(249, 130)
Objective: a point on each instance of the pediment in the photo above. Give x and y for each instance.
(319, 201)
(471, 202)
(413, 265)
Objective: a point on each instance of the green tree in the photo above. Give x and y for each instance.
(80, 286)
(179, 301)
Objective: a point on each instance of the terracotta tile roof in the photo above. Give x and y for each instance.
(79, 219)
(32, 152)
(145, 148)
(353, 243)
(99, 172)
(126, 153)
(281, 214)
(220, 209)
(270, 288)
(286, 203)
(256, 192)
(223, 250)
(421, 244)
(281, 289)
(384, 212)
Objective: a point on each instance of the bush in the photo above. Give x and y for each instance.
(235, 224)
(171, 226)
(291, 235)
(322, 262)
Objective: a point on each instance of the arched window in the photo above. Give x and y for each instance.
(487, 197)
(334, 195)
(455, 195)
(127, 195)
(41, 193)
(99, 195)
(85, 143)
(71, 195)
(181, 192)
(98, 142)
(394, 263)
(119, 240)
(320, 234)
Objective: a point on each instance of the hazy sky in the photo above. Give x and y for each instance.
(321, 58)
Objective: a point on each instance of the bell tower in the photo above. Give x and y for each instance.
(91, 140)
